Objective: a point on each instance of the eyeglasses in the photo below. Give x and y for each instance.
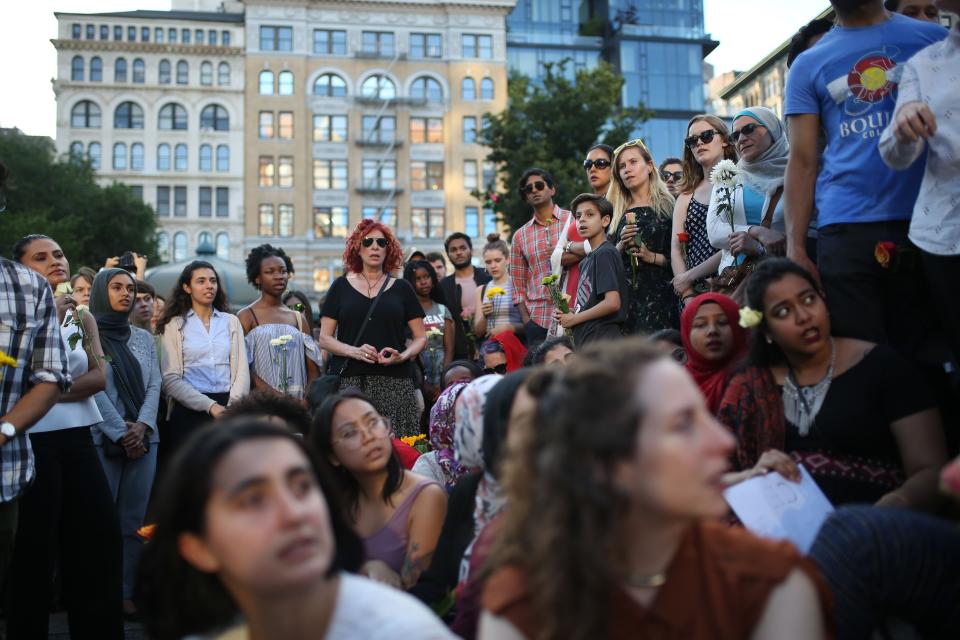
(667, 176)
(351, 436)
(599, 164)
(706, 137)
(539, 185)
(500, 368)
(745, 130)
(368, 242)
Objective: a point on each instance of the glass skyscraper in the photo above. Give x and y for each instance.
(657, 46)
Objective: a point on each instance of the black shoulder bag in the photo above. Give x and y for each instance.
(329, 383)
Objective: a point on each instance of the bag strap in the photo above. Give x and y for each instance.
(774, 201)
(346, 361)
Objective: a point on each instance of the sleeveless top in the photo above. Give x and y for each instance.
(699, 248)
(505, 312)
(69, 415)
(389, 544)
(267, 360)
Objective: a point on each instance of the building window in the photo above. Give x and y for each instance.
(427, 223)
(120, 70)
(469, 129)
(223, 244)
(426, 176)
(285, 125)
(378, 43)
(330, 42)
(76, 69)
(180, 202)
(285, 220)
(206, 74)
(96, 69)
(471, 222)
(206, 157)
(85, 115)
(426, 88)
(329, 174)
(266, 171)
(139, 71)
(426, 45)
(223, 158)
(185, 36)
(381, 129)
(179, 246)
(205, 209)
(265, 226)
(118, 33)
(285, 171)
(93, 154)
(223, 202)
(378, 86)
(380, 174)
(276, 38)
(144, 34)
(285, 83)
(470, 174)
(486, 89)
(489, 221)
(136, 157)
(172, 117)
(223, 74)
(266, 83)
(198, 36)
(119, 156)
(131, 34)
(212, 37)
(163, 157)
(163, 245)
(172, 35)
(163, 202)
(128, 115)
(75, 31)
(468, 89)
(158, 34)
(76, 150)
(137, 191)
(180, 157)
(330, 85)
(330, 222)
(91, 32)
(477, 46)
(214, 117)
(183, 72)
(329, 128)
(225, 38)
(489, 175)
(104, 32)
(163, 72)
(426, 130)
(266, 125)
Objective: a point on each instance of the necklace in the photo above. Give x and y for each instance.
(646, 581)
(371, 286)
(801, 404)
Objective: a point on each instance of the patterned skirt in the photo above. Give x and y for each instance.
(393, 398)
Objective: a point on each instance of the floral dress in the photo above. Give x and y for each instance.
(652, 303)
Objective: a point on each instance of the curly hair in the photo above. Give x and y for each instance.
(351, 254)
(258, 254)
(181, 302)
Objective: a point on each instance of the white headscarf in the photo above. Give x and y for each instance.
(468, 434)
(765, 174)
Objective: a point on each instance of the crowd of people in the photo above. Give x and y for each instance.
(538, 447)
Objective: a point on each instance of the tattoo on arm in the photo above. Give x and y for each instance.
(413, 566)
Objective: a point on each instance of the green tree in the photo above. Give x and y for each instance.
(551, 125)
(59, 197)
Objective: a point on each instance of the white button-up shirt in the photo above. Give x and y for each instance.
(206, 354)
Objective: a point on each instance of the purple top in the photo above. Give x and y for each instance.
(389, 544)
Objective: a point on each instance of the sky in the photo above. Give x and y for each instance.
(28, 60)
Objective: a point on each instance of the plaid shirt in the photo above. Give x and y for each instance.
(30, 334)
(533, 243)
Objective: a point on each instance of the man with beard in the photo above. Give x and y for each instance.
(460, 290)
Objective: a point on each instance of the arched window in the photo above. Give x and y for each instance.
(139, 71)
(93, 153)
(180, 157)
(206, 74)
(223, 74)
(76, 68)
(426, 88)
(285, 83)
(486, 89)
(468, 89)
(96, 69)
(179, 246)
(163, 157)
(205, 237)
(120, 70)
(163, 72)
(172, 116)
(223, 157)
(378, 86)
(266, 83)
(163, 246)
(214, 117)
(76, 150)
(128, 115)
(330, 85)
(206, 157)
(223, 245)
(136, 157)
(85, 115)
(119, 156)
(183, 72)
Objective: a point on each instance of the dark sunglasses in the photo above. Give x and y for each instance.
(599, 164)
(706, 137)
(500, 368)
(368, 242)
(746, 130)
(539, 185)
(667, 176)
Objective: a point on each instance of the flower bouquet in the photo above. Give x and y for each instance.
(724, 176)
(280, 347)
(494, 294)
(418, 442)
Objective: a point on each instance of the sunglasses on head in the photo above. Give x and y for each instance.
(667, 176)
(368, 242)
(746, 130)
(633, 143)
(500, 368)
(706, 137)
(599, 164)
(539, 185)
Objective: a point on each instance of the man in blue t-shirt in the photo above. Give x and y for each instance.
(847, 84)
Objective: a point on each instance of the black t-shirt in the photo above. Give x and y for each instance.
(387, 326)
(600, 272)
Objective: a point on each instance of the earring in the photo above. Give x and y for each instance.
(769, 340)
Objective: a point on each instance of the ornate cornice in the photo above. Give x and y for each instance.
(145, 47)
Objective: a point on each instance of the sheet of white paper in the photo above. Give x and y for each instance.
(773, 507)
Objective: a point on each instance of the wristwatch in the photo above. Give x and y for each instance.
(8, 430)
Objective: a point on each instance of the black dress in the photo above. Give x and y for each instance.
(699, 249)
(653, 305)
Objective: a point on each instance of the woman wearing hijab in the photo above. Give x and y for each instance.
(440, 463)
(127, 438)
(714, 342)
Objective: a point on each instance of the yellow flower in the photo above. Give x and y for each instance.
(493, 292)
(413, 440)
(7, 360)
(750, 318)
(550, 279)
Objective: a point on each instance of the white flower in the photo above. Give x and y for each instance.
(82, 307)
(276, 342)
(285, 338)
(724, 173)
(750, 318)
(63, 289)
(434, 333)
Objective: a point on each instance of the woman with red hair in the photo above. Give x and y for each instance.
(380, 360)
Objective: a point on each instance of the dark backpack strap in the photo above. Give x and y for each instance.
(356, 342)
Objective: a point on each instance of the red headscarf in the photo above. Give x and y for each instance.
(712, 376)
(513, 348)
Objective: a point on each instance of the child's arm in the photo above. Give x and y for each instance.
(609, 305)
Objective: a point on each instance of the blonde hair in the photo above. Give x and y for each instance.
(692, 171)
(619, 196)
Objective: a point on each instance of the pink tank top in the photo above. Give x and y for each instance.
(390, 543)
